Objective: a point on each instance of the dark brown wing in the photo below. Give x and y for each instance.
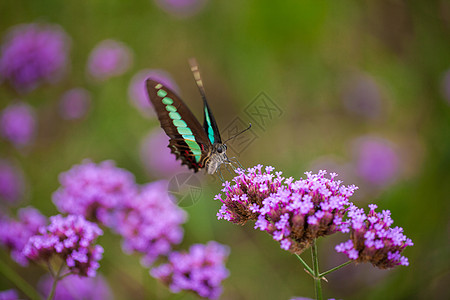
(188, 139)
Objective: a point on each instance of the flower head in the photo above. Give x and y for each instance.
(137, 90)
(445, 86)
(77, 288)
(32, 54)
(182, 8)
(74, 103)
(374, 240)
(9, 295)
(201, 270)
(362, 96)
(17, 124)
(14, 234)
(11, 182)
(293, 212)
(108, 59)
(72, 239)
(377, 161)
(95, 191)
(151, 223)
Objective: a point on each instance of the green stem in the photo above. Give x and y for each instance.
(335, 268)
(56, 278)
(15, 278)
(308, 268)
(317, 279)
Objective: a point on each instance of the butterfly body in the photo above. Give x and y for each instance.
(197, 146)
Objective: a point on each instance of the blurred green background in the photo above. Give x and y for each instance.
(303, 55)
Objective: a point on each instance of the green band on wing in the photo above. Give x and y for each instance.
(161, 93)
(179, 123)
(171, 108)
(184, 130)
(210, 130)
(167, 100)
(174, 115)
(195, 149)
(188, 137)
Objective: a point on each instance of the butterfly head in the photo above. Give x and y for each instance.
(220, 148)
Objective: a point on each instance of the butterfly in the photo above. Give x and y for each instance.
(197, 146)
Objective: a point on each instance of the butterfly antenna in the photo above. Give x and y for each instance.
(198, 79)
(237, 134)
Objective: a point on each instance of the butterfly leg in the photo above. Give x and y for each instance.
(235, 162)
(219, 173)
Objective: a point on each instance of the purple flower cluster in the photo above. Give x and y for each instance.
(108, 59)
(74, 103)
(11, 182)
(17, 124)
(201, 270)
(95, 191)
(151, 223)
(14, 234)
(246, 196)
(373, 240)
(182, 8)
(77, 288)
(293, 212)
(377, 162)
(9, 295)
(33, 53)
(72, 239)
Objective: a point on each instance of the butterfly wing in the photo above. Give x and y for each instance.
(209, 125)
(188, 140)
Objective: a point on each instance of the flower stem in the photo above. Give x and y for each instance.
(56, 278)
(308, 268)
(317, 278)
(335, 268)
(15, 278)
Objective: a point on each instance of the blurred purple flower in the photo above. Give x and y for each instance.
(373, 240)
(137, 91)
(377, 162)
(201, 270)
(156, 156)
(293, 212)
(9, 295)
(362, 97)
(74, 103)
(151, 223)
(71, 238)
(17, 124)
(182, 8)
(75, 287)
(446, 86)
(95, 191)
(12, 182)
(109, 58)
(14, 234)
(32, 54)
